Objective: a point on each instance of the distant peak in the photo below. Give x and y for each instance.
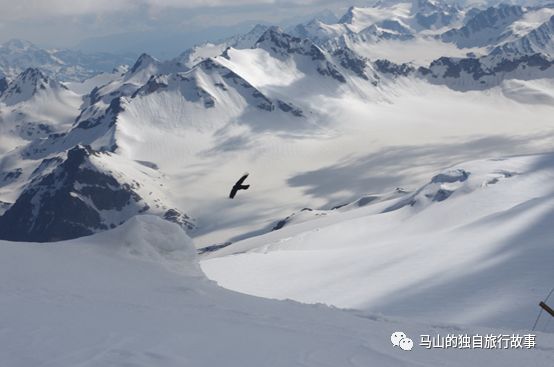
(348, 16)
(143, 61)
(27, 84)
(32, 73)
(274, 29)
(275, 36)
(18, 44)
(32, 78)
(259, 28)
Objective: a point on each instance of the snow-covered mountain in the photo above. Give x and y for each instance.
(207, 50)
(66, 65)
(425, 29)
(83, 193)
(507, 29)
(485, 27)
(205, 97)
(537, 40)
(280, 84)
(435, 14)
(33, 106)
(27, 85)
(307, 56)
(385, 20)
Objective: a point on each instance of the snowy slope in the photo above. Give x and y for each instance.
(86, 86)
(537, 40)
(135, 296)
(486, 27)
(33, 106)
(320, 32)
(207, 50)
(472, 246)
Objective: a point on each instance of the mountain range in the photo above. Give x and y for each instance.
(272, 85)
(62, 64)
(399, 163)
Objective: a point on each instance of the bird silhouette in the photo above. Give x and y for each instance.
(239, 186)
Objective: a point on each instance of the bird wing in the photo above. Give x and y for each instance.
(241, 180)
(233, 192)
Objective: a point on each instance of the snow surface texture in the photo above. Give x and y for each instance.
(135, 296)
(472, 246)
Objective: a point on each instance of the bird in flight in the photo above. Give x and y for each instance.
(239, 186)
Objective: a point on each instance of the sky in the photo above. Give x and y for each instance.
(161, 27)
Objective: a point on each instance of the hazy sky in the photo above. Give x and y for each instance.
(132, 25)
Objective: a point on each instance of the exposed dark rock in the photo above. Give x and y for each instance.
(8, 177)
(109, 117)
(328, 69)
(349, 60)
(458, 175)
(3, 85)
(151, 86)
(481, 70)
(493, 19)
(289, 107)
(387, 67)
(175, 216)
(75, 197)
(213, 248)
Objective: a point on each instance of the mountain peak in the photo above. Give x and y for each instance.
(282, 44)
(87, 192)
(272, 31)
(274, 38)
(18, 45)
(143, 62)
(32, 74)
(348, 17)
(27, 84)
(259, 28)
(484, 27)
